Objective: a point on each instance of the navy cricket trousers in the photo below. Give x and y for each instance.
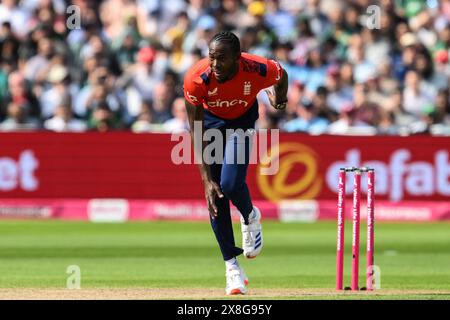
(230, 174)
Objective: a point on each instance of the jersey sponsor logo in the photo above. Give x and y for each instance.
(226, 104)
(278, 70)
(213, 92)
(190, 96)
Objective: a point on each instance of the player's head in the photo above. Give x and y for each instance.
(224, 54)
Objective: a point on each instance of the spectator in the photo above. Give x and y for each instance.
(144, 121)
(441, 73)
(63, 120)
(179, 61)
(130, 53)
(102, 119)
(442, 104)
(387, 125)
(9, 44)
(198, 38)
(338, 93)
(17, 15)
(179, 123)
(18, 119)
(127, 50)
(181, 27)
(305, 42)
(348, 123)
(155, 17)
(162, 101)
(37, 67)
(307, 120)
(295, 95)
(323, 109)
(58, 79)
(19, 93)
(234, 16)
(99, 88)
(281, 21)
(416, 95)
(144, 76)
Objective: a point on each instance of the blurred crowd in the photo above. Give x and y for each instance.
(119, 64)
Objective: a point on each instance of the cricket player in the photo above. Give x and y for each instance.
(220, 93)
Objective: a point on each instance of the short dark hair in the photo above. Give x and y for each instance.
(230, 38)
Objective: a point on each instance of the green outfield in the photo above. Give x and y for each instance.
(297, 262)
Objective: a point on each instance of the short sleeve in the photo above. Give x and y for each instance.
(274, 72)
(194, 92)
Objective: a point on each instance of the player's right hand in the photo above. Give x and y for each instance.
(273, 100)
(212, 190)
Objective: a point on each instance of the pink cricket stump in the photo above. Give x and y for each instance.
(356, 223)
(340, 231)
(370, 227)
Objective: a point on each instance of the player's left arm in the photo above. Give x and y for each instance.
(278, 99)
(281, 89)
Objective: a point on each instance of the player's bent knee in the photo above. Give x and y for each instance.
(229, 188)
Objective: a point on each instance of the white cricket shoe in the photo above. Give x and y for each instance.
(243, 276)
(236, 281)
(252, 239)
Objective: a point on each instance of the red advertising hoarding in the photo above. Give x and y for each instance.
(126, 165)
(293, 177)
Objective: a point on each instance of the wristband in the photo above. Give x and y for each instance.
(280, 105)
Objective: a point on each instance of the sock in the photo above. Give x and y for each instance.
(231, 264)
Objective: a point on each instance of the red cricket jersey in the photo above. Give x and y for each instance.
(231, 99)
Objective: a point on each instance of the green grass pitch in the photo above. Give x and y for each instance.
(413, 257)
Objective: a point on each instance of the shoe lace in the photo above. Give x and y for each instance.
(234, 277)
(247, 238)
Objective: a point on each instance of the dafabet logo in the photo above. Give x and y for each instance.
(298, 175)
(19, 174)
